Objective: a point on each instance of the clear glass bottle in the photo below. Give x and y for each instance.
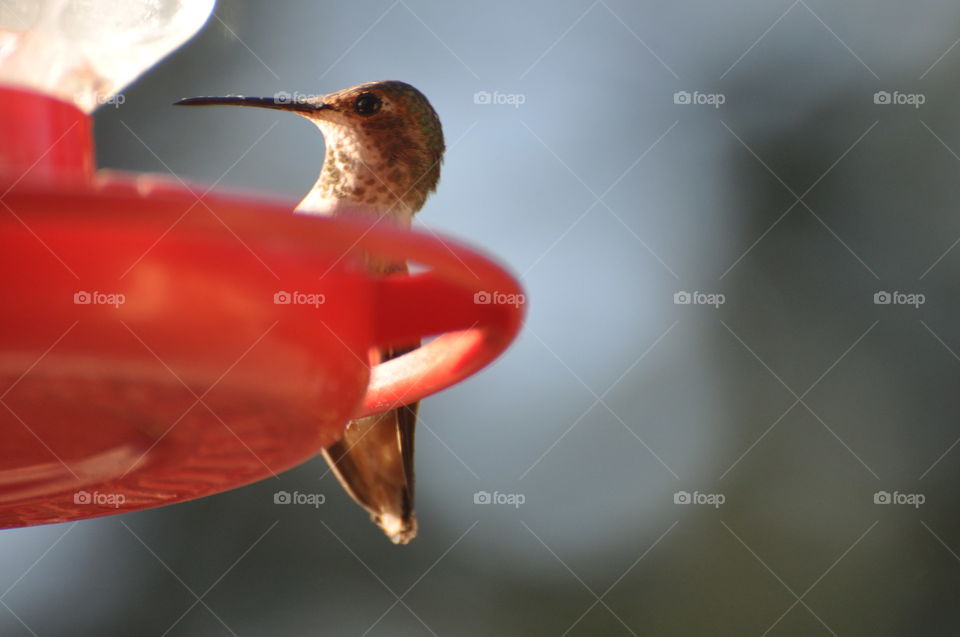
(86, 51)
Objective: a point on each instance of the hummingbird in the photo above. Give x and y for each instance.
(383, 148)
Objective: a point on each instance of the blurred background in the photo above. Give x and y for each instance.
(733, 407)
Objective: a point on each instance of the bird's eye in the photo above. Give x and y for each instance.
(367, 104)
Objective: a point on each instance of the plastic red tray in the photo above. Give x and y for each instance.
(158, 346)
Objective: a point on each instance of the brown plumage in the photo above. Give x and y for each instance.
(384, 145)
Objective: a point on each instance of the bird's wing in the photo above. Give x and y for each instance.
(373, 460)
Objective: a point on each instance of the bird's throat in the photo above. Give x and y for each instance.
(357, 177)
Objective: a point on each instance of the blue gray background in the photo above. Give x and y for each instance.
(797, 400)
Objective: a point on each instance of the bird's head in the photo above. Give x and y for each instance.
(384, 144)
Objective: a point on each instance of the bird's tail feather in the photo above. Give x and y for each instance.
(373, 461)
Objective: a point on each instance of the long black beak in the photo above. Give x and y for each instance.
(280, 103)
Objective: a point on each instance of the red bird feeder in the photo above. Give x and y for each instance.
(159, 342)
